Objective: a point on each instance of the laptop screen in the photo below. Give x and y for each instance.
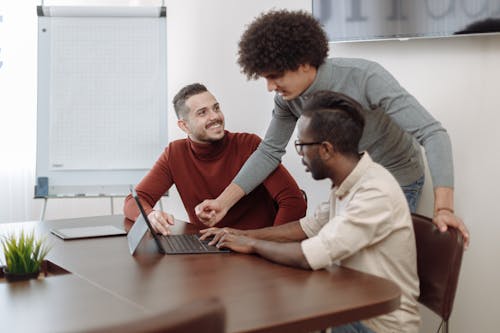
(143, 225)
(171, 244)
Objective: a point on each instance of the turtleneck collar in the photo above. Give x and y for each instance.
(323, 75)
(208, 151)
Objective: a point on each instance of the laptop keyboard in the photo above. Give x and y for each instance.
(184, 243)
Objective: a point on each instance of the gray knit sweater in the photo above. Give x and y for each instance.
(395, 125)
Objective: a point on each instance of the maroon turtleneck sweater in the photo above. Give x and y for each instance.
(202, 171)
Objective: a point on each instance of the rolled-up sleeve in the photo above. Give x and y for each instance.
(364, 221)
(316, 253)
(313, 224)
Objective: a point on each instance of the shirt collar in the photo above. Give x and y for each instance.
(353, 178)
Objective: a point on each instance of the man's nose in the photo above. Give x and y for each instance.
(212, 114)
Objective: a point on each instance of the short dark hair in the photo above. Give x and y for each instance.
(336, 118)
(179, 101)
(281, 40)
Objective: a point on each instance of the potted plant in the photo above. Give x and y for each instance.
(24, 255)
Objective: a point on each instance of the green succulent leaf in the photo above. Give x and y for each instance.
(23, 253)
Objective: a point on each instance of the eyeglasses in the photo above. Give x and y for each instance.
(299, 145)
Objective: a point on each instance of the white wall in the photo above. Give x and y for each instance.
(455, 78)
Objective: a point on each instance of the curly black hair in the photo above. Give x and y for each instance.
(281, 40)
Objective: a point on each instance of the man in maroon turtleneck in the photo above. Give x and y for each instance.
(202, 165)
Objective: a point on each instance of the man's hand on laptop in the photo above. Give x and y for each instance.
(237, 243)
(214, 234)
(161, 221)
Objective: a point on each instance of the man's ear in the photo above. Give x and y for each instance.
(305, 68)
(183, 126)
(326, 150)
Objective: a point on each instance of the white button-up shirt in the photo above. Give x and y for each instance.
(367, 226)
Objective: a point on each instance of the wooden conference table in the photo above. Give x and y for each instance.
(99, 283)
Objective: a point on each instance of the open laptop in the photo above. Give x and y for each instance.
(171, 244)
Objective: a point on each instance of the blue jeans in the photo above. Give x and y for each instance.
(355, 327)
(412, 193)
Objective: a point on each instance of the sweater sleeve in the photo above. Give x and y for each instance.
(268, 155)
(151, 188)
(286, 193)
(383, 90)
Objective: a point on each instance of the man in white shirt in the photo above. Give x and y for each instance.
(366, 225)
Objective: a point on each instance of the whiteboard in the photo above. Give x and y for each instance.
(102, 112)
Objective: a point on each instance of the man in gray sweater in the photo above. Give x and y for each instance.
(289, 50)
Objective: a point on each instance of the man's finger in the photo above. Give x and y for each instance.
(217, 237)
(205, 233)
(201, 207)
(170, 219)
(198, 209)
(222, 240)
(440, 224)
(161, 224)
(204, 216)
(163, 229)
(465, 233)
